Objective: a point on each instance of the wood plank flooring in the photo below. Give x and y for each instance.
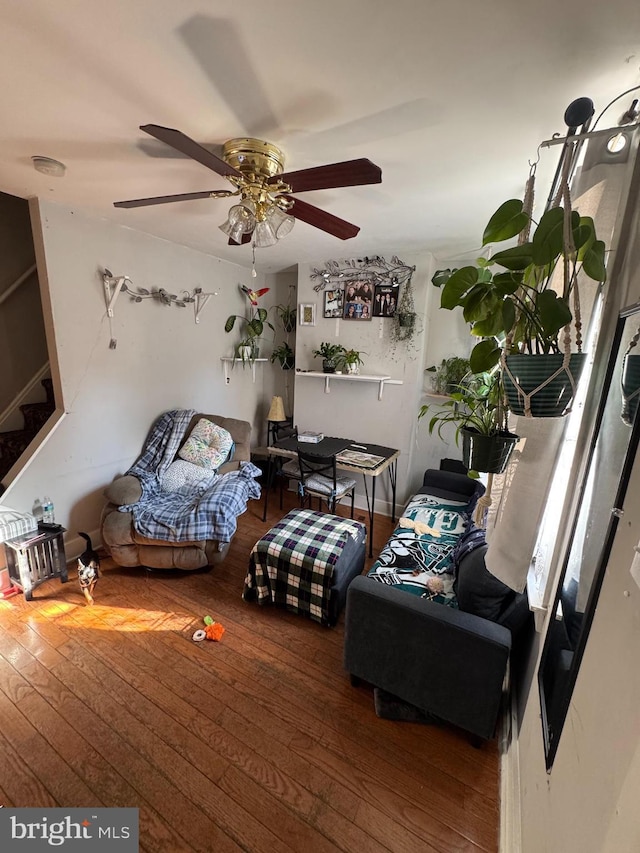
(256, 743)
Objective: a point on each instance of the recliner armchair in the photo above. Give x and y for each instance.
(127, 547)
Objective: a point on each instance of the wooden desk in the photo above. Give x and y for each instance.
(288, 448)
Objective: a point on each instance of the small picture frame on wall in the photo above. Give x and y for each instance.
(333, 301)
(307, 314)
(385, 300)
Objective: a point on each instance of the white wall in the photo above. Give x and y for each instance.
(163, 360)
(352, 410)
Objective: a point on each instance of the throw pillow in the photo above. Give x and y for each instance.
(181, 473)
(208, 445)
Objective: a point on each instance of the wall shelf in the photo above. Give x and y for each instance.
(350, 377)
(227, 360)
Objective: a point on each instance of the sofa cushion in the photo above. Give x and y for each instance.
(477, 590)
(181, 473)
(208, 445)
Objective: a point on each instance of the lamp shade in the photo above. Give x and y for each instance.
(276, 412)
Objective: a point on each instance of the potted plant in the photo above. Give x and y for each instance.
(252, 327)
(329, 354)
(448, 374)
(350, 361)
(287, 316)
(519, 300)
(405, 317)
(477, 411)
(285, 355)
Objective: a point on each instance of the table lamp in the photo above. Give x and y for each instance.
(275, 417)
(276, 412)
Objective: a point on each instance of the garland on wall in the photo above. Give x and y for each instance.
(375, 269)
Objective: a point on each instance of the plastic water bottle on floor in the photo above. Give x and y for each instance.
(47, 511)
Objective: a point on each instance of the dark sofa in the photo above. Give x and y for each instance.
(449, 663)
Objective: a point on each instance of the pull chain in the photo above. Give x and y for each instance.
(253, 268)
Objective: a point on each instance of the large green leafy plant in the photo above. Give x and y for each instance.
(513, 295)
(476, 403)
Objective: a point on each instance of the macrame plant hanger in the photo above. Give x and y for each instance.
(486, 500)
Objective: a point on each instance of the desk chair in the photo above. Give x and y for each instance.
(318, 478)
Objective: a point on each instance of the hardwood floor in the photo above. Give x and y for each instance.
(255, 743)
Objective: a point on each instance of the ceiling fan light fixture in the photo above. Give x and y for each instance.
(243, 216)
(264, 235)
(281, 222)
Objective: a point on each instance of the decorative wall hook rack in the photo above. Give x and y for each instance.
(114, 285)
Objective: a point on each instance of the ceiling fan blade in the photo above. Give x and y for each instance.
(176, 139)
(163, 199)
(350, 173)
(321, 219)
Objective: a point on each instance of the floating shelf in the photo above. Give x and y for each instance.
(226, 361)
(350, 377)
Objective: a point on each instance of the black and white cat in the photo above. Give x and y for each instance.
(88, 569)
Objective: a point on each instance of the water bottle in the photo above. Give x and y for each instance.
(37, 511)
(47, 511)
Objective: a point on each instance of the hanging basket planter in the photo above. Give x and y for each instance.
(542, 386)
(630, 388)
(488, 454)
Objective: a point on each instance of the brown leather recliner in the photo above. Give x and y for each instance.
(129, 548)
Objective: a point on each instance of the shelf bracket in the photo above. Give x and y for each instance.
(110, 296)
(200, 301)
(327, 385)
(380, 389)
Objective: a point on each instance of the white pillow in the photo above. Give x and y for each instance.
(181, 473)
(207, 446)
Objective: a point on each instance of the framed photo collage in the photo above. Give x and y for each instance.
(361, 300)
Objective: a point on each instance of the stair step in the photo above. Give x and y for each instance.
(47, 384)
(36, 415)
(12, 446)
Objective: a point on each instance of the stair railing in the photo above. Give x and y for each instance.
(22, 395)
(16, 284)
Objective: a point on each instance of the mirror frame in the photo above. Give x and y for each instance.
(552, 728)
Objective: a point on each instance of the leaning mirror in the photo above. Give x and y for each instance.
(601, 495)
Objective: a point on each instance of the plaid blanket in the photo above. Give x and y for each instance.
(208, 511)
(293, 563)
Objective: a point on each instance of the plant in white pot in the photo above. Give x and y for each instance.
(252, 326)
(520, 308)
(350, 361)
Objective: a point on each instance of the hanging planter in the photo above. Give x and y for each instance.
(542, 386)
(488, 454)
(525, 314)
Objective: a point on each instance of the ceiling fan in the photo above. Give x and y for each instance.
(266, 210)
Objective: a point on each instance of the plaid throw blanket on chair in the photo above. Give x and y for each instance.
(293, 563)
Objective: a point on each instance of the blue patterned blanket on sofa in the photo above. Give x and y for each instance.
(419, 556)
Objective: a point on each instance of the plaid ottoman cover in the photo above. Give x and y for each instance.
(296, 564)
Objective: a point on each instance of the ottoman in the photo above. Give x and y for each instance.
(306, 562)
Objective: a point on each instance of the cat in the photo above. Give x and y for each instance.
(88, 569)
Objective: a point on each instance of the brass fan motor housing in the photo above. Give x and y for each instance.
(253, 157)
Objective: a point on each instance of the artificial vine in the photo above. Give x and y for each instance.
(375, 269)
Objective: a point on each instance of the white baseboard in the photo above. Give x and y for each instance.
(510, 807)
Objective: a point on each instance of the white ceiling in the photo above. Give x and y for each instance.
(449, 97)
